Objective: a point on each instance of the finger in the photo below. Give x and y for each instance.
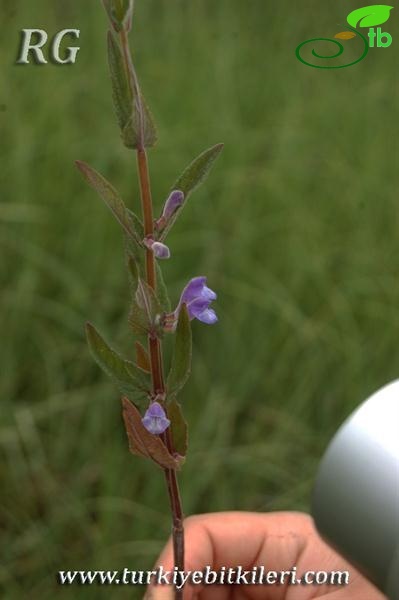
(237, 538)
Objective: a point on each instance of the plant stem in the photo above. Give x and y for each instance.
(154, 344)
(155, 350)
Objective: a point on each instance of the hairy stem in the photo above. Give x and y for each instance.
(154, 344)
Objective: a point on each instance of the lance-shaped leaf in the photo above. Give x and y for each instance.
(120, 86)
(119, 13)
(108, 193)
(130, 379)
(178, 427)
(192, 177)
(135, 260)
(144, 443)
(146, 309)
(181, 359)
(138, 320)
(369, 16)
(142, 358)
(162, 290)
(148, 302)
(134, 118)
(130, 133)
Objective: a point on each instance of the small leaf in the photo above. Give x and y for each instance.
(112, 199)
(120, 86)
(369, 16)
(178, 427)
(162, 290)
(181, 360)
(138, 320)
(142, 358)
(148, 302)
(144, 443)
(130, 131)
(197, 171)
(119, 13)
(135, 260)
(130, 380)
(128, 100)
(137, 224)
(192, 177)
(133, 272)
(345, 35)
(145, 311)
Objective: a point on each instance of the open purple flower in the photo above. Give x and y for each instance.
(198, 297)
(155, 419)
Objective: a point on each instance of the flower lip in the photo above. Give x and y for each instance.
(208, 316)
(155, 419)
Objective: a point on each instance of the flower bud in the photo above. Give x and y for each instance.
(160, 250)
(176, 199)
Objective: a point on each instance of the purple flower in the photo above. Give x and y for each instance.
(176, 199)
(197, 297)
(155, 419)
(173, 202)
(160, 250)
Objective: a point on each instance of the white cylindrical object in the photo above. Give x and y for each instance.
(356, 495)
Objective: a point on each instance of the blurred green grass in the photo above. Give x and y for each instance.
(296, 229)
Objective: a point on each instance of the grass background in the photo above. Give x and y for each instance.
(296, 229)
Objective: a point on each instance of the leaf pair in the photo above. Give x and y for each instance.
(130, 378)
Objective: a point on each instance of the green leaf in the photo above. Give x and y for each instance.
(122, 8)
(130, 133)
(128, 100)
(146, 309)
(193, 176)
(135, 260)
(181, 360)
(133, 271)
(197, 171)
(130, 379)
(162, 290)
(144, 443)
(137, 223)
(134, 250)
(178, 427)
(138, 320)
(120, 13)
(148, 302)
(112, 199)
(369, 16)
(142, 358)
(120, 86)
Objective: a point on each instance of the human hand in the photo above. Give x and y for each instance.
(278, 541)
